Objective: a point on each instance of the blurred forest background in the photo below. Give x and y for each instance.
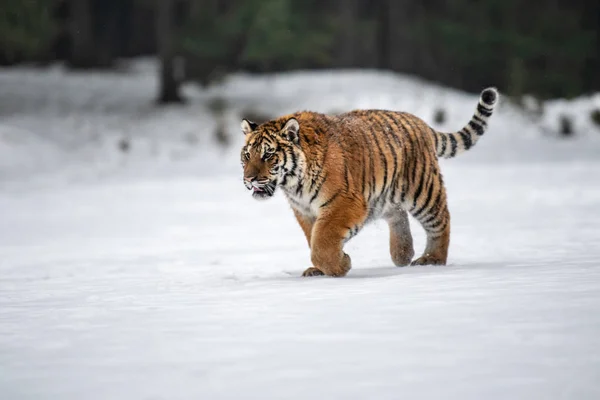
(546, 48)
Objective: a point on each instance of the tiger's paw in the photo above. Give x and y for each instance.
(428, 259)
(312, 271)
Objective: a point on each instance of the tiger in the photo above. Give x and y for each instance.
(340, 172)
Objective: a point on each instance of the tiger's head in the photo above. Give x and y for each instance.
(270, 152)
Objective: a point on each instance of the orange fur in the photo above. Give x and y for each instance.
(340, 172)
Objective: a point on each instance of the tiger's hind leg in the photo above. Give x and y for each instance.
(401, 242)
(433, 215)
(437, 227)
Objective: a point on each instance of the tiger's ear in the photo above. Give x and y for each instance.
(248, 126)
(290, 130)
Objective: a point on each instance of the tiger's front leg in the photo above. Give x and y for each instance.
(306, 223)
(332, 226)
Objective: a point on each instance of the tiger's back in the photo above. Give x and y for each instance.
(394, 154)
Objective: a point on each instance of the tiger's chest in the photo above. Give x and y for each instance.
(301, 200)
(302, 204)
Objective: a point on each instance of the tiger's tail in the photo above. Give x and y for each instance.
(449, 145)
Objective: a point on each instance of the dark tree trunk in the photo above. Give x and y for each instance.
(82, 37)
(383, 37)
(169, 91)
(143, 34)
(399, 17)
(106, 14)
(348, 12)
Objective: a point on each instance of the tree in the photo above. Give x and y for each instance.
(26, 29)
(399, 15)
(81, 35)
(348, 19)
(169, 78)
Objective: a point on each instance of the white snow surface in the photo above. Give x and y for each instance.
(154, 275)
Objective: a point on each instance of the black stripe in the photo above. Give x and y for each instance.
(294, 161)
(440, 220)
(393, 184)
(371, 164)
(483, 111)
(453, 144)
(346, 181)
(318, 169)
(386, 136)
(371, 171)
(436, 231)
(314, 196)
(433, 215)
(444, 143)
(364, 174)
(425, 205)
(476, 127)
(414, 150)
(285, 169)
(313, 181)
(394, 148)
(300, 182)
(441, 228)
(466, 137)
(405, 154)
(331, 199)
(479, 120)
(382, 157)
(416, 156)
(421, 182)
(435, 138)
(318, 189)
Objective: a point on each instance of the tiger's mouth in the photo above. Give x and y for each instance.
(263, 191)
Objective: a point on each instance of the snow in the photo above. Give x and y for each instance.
(154, 275)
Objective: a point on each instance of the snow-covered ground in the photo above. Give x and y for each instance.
(152, 274)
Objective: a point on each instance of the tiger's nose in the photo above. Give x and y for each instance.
(250, 179)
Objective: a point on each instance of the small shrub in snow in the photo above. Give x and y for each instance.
(221, 134)
(533, 106)
(595, 116)
(439, 116)
(566, 125)
(124, 145)
(217, 105)
(191, 138)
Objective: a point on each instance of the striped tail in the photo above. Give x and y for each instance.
(451, 144)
